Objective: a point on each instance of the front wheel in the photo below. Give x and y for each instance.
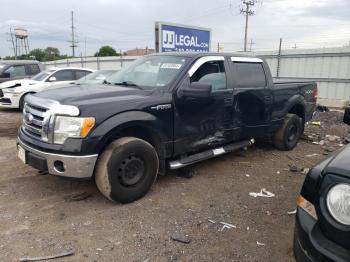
(287, 137)
(127, 169)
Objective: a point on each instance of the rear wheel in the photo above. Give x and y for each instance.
(127, 169)
(287, 137)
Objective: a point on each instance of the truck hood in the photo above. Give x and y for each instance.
(338, 164)
(100, 101)
(17, 83)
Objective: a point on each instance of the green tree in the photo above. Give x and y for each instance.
(107, 51)
(51, 53)
(38, 53)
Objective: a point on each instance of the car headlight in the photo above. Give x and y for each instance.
(75, 127)
(9, 90)
(338, 203)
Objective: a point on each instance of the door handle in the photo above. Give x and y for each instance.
(268, 99)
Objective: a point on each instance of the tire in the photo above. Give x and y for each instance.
(287, 137)
(21, 103)
(127, 169)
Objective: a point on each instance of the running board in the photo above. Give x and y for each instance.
(175, 164)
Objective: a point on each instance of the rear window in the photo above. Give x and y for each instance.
(250, 75)
(80, 73)
(34, 69)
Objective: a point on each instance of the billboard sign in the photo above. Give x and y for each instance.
(181, 38)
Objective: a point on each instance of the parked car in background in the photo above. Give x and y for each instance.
(19, 69)
(163, 111)
(96, 77)
(12, 93)
(322, 226)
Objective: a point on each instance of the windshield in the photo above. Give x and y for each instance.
(95, 77)
(149, 72)
(42, 75)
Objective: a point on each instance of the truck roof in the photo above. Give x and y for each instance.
(19, 62)
(198, 54)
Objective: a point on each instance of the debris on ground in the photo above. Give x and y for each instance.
(321, 143)
(212, 221)
(226, 225)
(320, 108)
(263, 193)
(260, 244)
(312, 155)
(180, 237)
(305, 171)
(333, 138)
(316, 123)
(78, 197)
(294, 169)
(293, 212)
(65, 254)
(278, 172)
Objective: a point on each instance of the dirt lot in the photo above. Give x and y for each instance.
(38, 216)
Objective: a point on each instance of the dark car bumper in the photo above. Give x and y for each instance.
(310, 245)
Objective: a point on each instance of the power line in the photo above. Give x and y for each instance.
(247, 13)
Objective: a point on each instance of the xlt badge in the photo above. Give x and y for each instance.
(161, 107)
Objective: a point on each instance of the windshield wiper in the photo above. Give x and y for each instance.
(106, 82)
(127, 83)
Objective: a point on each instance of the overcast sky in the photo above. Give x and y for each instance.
(130, 24)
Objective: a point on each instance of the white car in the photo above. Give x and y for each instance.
(12, 93)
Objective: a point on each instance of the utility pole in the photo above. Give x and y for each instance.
(247, 13)
(13, 43)
(73, 42)
(251, 45)
(279, 59)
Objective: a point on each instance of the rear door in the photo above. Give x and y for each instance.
(64, 76)
(81, 73)
(32, 69)
(204, 123)
(253, 98)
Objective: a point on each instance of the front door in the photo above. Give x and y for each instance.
(201, 123)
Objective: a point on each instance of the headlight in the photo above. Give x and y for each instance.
(338, 203)
(9, 90)
(77, 127)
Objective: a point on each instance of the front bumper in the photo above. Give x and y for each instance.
(310, 244)
(58, 164)
(10, 100)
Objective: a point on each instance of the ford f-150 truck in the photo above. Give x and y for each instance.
(164, 111)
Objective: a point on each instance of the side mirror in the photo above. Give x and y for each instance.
(197, 90)
(52, 79)
(5, 75)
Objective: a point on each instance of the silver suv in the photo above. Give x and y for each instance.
(19, 69)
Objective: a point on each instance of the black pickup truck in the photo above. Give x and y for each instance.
(164, 111)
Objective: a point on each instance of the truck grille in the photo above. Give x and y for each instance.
(1, 93)
(35, 119)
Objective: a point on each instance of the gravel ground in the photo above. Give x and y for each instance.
(45, 215)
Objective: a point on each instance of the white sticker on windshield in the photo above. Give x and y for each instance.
(171, 66)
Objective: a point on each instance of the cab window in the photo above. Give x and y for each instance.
(16, 71)
(250, 75)
(213, 73)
